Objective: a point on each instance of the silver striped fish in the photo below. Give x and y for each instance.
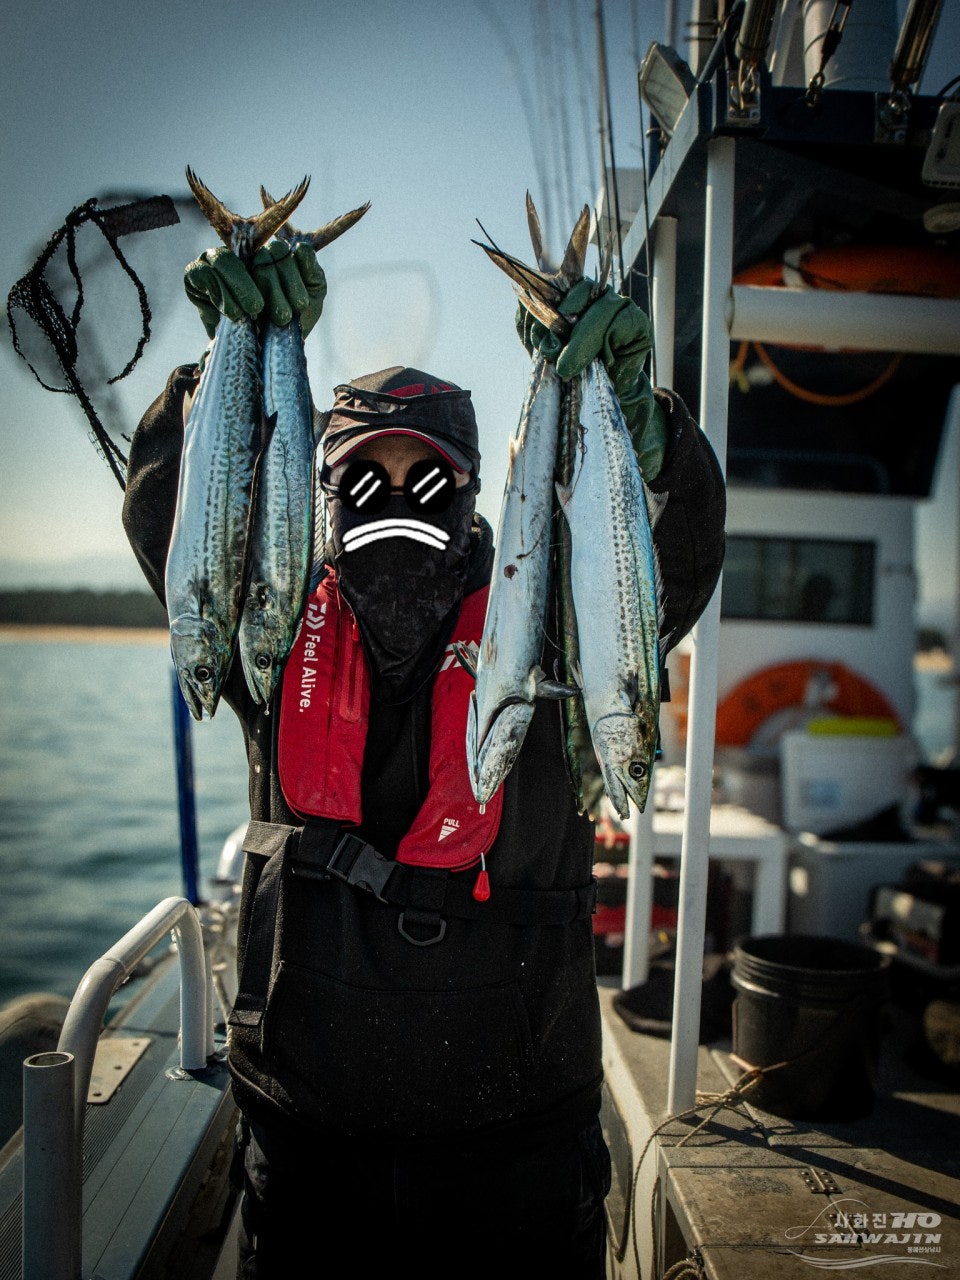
(509, 676)
(280, 539)
(222, 436)
(610, 637)
(615, 581)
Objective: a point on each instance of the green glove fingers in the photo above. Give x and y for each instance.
(615, 330)
(648, 426)
(612, 327)
(280, 282)
(292, 281)
(267, 269)
(314, 283)
(217, 284)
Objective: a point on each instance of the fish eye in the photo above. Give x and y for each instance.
(263, 661)
(202, 673)
(637, 770)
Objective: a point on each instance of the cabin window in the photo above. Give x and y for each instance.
(798, 580)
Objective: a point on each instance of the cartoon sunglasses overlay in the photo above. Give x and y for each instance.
(428, 488)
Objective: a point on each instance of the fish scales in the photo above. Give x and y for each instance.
(278, 560)
(204, 571)
(615, 587)
(280, 541)
(509, 677)
(223, 436)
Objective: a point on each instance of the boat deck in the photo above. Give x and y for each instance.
(753, 1195)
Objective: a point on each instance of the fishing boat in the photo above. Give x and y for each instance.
(797, 199)
(797, 221)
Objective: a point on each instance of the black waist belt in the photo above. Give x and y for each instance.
(321, 851)
(426, 896)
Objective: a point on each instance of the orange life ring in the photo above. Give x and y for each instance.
(742, 711)
(927, 271)
(918, 270)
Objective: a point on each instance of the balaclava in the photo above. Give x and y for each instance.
(402, 568)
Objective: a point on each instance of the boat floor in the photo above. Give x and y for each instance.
(750, 1195)
(157, 1202)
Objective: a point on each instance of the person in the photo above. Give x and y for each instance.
(415, 1047)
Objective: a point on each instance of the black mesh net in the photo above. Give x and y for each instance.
(55, 315)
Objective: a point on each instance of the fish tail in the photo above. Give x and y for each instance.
(259, 228)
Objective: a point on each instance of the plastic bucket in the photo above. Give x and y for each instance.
(814, 1004)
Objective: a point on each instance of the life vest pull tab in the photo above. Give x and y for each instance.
(481, 888)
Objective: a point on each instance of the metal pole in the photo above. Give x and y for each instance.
(854, 321)
(701, 725)
(664, 297)
(636, 946)
(186, 796)
(52, 1159)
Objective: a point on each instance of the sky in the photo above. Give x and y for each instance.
(439, 112)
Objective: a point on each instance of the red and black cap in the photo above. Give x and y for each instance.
(401, 401)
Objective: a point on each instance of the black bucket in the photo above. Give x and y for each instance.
(814, 1004)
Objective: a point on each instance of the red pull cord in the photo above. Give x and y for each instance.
(481, 888)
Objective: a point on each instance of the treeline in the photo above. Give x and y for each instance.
(81, 607)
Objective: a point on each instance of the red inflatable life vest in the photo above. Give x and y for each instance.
(324, 709)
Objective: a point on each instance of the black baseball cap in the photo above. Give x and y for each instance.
(401, 401)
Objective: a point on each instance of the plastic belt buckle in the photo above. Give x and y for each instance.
(359, 864)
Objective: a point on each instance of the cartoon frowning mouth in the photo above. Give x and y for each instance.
(375, 530)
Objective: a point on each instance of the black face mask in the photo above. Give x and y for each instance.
(404, 590)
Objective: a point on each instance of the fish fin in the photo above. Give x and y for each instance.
(271, 219)
(526, 277)
(603, 275)
(336, 227)
(262, 225)
(323, 235)
(575, 256)
(467, 655)
(548, 316)
(214, 210)
(577, 672)
(656, 504)
(564, 493)
(547, 687)
(536, 234)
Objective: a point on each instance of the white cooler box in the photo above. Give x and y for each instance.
(833, 780)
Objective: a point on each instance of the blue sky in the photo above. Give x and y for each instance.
(439, 112)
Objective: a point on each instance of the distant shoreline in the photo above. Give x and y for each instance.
(11, 632)
(936, 660)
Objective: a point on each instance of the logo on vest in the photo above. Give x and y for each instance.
(314, 621)
(449, 826)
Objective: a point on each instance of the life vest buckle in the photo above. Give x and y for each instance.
(357, 863)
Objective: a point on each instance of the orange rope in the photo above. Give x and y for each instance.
(819, 397)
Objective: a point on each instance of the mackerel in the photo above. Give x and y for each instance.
(509, 676)
(615, 584)
(222, 436)
(280, 539)
(508, 672)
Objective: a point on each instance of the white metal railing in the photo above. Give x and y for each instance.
(55, 1085)
(838, 319)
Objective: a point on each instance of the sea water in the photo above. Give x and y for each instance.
(89, 819)
(89, 825)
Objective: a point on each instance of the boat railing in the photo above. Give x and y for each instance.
(55, 1084)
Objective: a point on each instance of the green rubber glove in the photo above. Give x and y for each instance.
(280, 282)
(615, 330)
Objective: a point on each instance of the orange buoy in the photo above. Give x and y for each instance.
(763, 693)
